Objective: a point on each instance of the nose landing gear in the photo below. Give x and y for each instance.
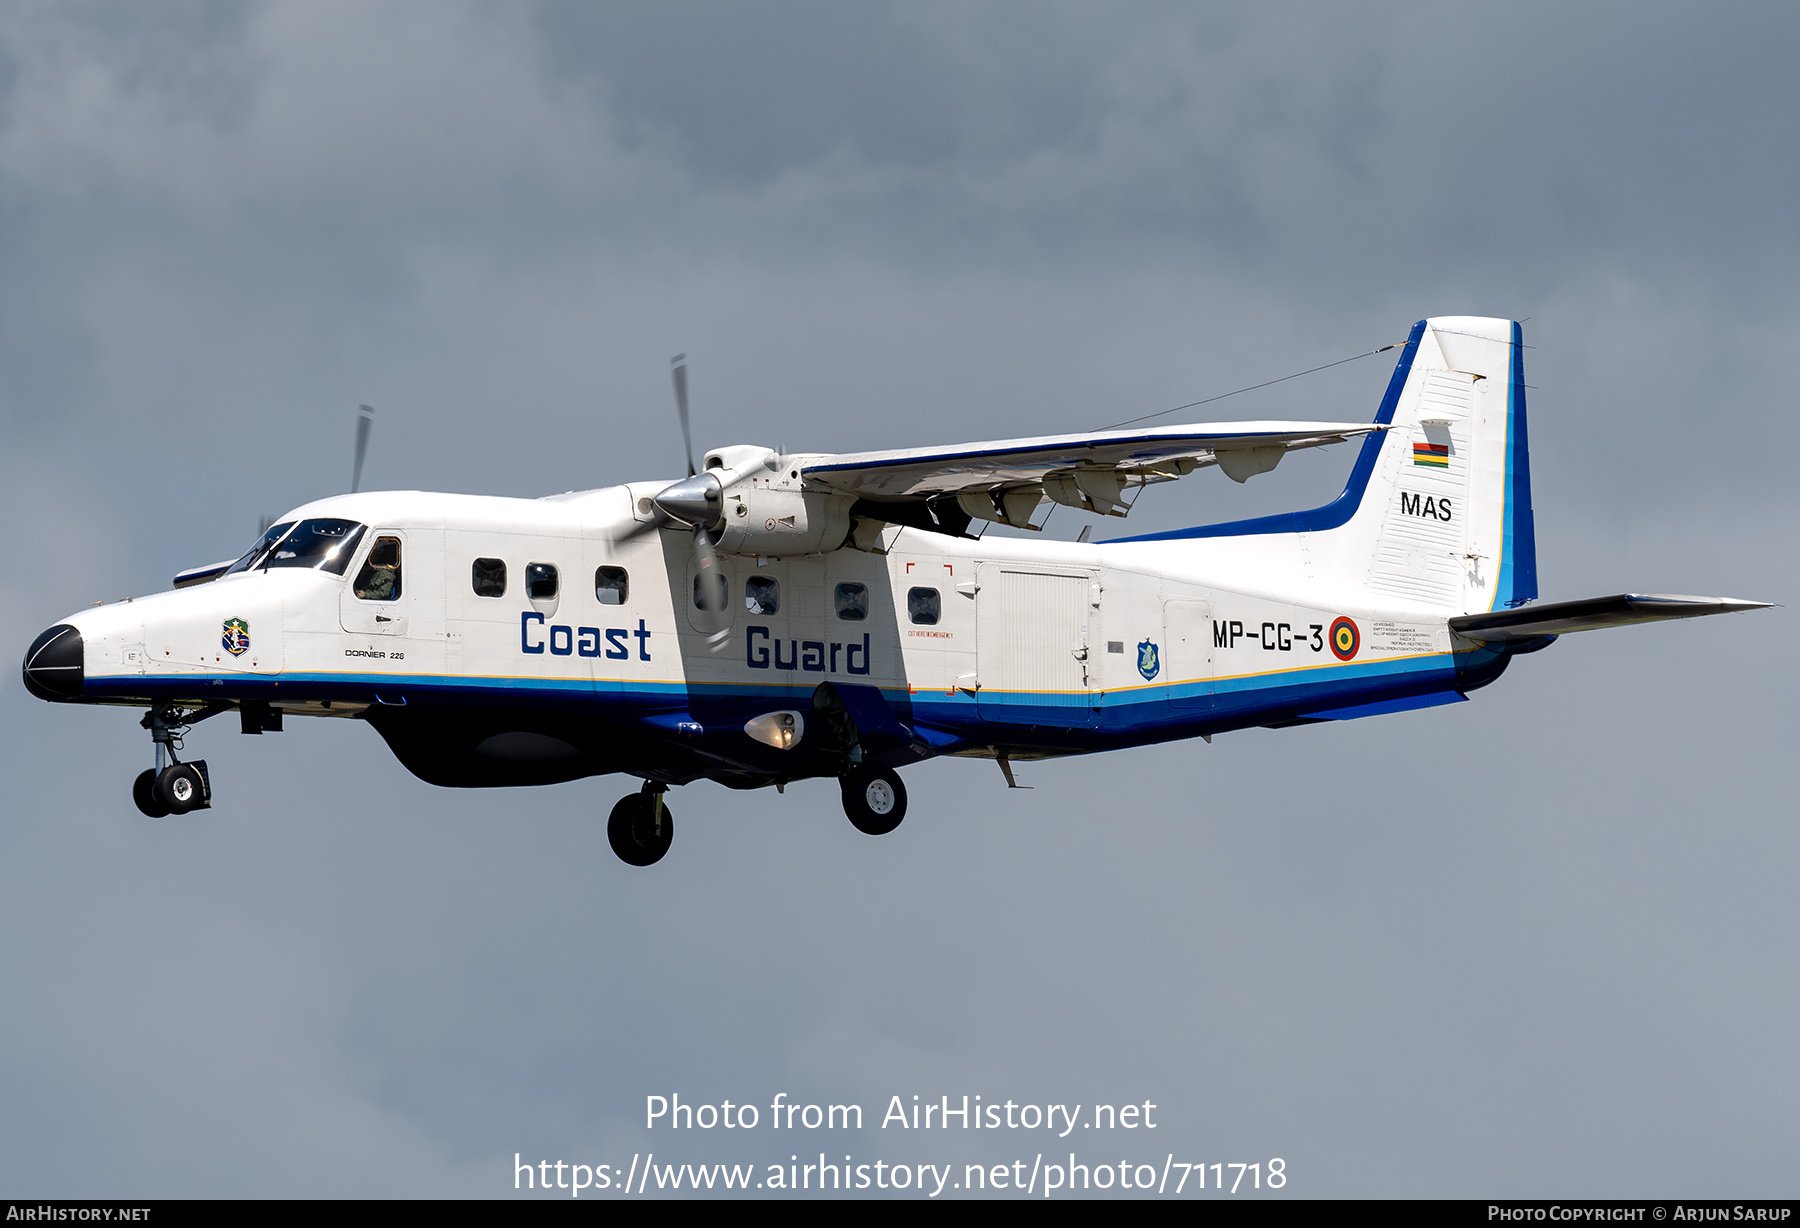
(641, 827)
(173, 787)
(143, 792)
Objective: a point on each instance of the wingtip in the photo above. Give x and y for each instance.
(1731, 604)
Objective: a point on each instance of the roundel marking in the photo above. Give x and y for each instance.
(1345, 639)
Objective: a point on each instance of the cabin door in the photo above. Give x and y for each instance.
(1187, 638)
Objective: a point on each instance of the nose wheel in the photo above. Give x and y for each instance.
(176, 789)
(641, 828)
(874, 799)
(171, 787)
(143, 792)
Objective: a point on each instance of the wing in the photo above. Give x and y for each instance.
(1087, 471)
(1592, 614)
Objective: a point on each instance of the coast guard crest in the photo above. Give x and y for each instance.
(1148, 663)
(236, 637)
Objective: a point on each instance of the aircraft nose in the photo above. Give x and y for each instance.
(54, 664)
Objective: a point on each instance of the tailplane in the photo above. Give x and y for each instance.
(1591, 614)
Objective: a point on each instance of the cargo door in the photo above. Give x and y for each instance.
(1032, 647)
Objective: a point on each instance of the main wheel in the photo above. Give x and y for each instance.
(640, 829)
(143, 792)
(875, 800)
(179, 788)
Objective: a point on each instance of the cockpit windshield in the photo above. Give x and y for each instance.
(271, 535)
(323, 544)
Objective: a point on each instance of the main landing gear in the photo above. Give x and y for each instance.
(874, 799)
(641, 828)
(171, 787)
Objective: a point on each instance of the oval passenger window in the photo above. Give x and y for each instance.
(540, 580)
(611, 586)
(488, 577)
(762, 595)
(851, 602)
(923, 605)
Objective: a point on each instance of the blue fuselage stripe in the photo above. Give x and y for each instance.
(1072, 720)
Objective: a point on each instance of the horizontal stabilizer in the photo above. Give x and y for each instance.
(1592, 614)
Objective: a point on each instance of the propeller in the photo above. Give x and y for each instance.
(678, 368)
(710, 601)
(698, 501)
(365, 418)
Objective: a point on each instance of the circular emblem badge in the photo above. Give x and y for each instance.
(1345, 639)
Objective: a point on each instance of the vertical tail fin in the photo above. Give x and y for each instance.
(1438, 508)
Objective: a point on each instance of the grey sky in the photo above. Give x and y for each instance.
(1539, 943)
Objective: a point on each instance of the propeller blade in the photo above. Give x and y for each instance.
(365, 418)
(711, 594)
(679, 365)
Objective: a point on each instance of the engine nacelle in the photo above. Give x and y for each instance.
(764, 508)
(764, 516)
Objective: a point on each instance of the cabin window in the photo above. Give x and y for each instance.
(923, 606)
(710, 590)
(851, 602)
(379, 579)
(488, 577)
(540, 581)
(323, 544)
(762, 595)
(611, 586)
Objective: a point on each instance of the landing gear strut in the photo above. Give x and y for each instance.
(171, 787)
(874, 799)
(641, 827)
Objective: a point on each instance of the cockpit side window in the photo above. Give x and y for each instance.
(271, 535)
(323, 544)
(488, 577)
(379, 579)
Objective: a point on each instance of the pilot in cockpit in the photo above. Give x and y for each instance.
(379, 579)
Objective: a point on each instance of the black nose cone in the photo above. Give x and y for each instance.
(53, 664)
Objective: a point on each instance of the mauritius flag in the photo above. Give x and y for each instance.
(1432, 455)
